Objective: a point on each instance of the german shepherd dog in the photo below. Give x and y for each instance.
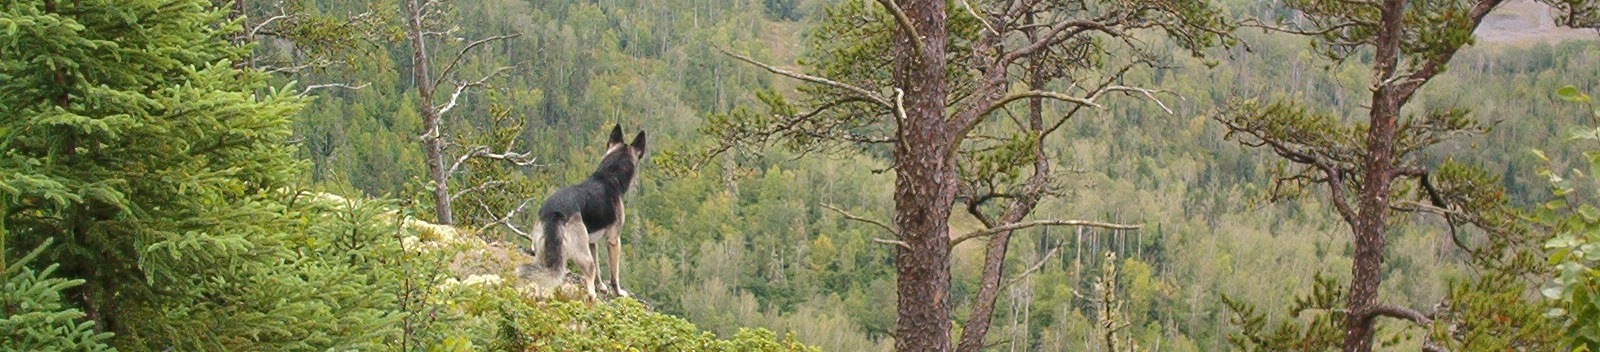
(575, 219)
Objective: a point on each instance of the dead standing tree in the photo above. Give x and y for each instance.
(419, 19)
(1360, 164)
(939, 110)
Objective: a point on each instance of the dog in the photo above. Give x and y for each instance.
(575, 219)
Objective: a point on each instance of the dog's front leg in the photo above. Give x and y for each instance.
(614, 259)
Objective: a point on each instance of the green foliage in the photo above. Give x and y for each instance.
(1575, 247)
(1494, 313)
(37, 317)
(619, 325)
(158, 159)
(1324, 331)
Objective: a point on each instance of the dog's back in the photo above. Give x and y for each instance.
(591, 202)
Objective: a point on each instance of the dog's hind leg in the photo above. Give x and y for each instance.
(577, 248)
(590, 269)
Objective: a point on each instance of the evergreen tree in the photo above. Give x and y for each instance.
(1370, 169)
(130, 138)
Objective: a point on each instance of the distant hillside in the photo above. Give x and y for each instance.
(1527, 21)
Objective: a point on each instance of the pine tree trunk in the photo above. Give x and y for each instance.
(1371, 221)
(925, 184)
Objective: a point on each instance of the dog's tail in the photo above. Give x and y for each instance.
(553, 222)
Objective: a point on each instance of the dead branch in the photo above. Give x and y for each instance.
(461, 87)
(1336, 191)
(448, 68)
(310, 88)
(1036, 266)
(864, 93)
(1317, 32)
(251, 35)
(506, 220)
(1043, 94)
(850, 216)
(1148, 93)
(893, 242)
(480, 151)
(1403, 313)
(478, 187)
(314, 63)
(1023, 225)
(974, 14)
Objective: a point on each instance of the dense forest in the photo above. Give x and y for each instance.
(269, 175)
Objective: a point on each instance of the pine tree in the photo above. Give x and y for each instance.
(130, 139)
(1374, 169)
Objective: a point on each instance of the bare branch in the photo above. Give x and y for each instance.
(461, 87)
(980, 18)
(463, 53)
(480, 151)
(296, 68)
(259, 26)
(1148, 93)
(506, 220)
(1023, 225)
(310, 88)
(1398, 312)
(869, 95)
(518, 159)
(1090, 101)
(1036, 266)
(1306, 32)
(893, 242)
(850, 216)
(479, 187)
(1044, 94)
(899, 106)
(905, 23)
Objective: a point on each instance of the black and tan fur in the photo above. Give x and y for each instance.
(575, 219)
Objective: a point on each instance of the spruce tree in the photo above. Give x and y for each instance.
(130, 138)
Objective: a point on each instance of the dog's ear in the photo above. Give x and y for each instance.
(638, 144)
(616, 136)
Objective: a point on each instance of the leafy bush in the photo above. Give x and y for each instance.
(1575, 248)
(618, 325)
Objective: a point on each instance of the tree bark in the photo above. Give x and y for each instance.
(431, 128)
(1371, 220)
(925, 183)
